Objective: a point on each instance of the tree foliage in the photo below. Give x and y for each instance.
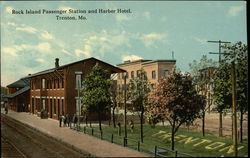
(175, 100)
(223, 86)
(138, 91)
(96, 95)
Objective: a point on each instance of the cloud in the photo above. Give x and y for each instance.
(201, 41)
(66, 52)
(78, 52)
(147, 15)
(13, 51)
(40, 60)
(235, 10)
(151, 39)
(27, 29)
(46, 35)
(9, 9)
(43, 47)
(131, 58)
(122, 17)
(11, 23)
(10, 51)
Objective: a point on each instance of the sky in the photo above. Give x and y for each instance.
(152, 30)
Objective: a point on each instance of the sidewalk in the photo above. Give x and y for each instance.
(83, 142)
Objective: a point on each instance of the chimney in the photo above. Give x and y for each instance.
(57, 63)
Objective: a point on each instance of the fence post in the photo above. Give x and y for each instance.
(176, 153)
(112, 138)
(124, 141)
(138, 146)
(92, 131)
(155, 151)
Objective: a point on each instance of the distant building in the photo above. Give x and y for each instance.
(206, 75)
(155, 70)
(56, 90)
(18, 95)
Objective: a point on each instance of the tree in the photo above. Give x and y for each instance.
(222, 90)
(138, 91)
(236, 52)
(176, 100)
(96, 91)
(116, 97)
(202, 82)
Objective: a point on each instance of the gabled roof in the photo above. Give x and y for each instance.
(19, 83)
(17, 92)
(116, 69)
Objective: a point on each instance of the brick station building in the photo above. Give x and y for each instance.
(56, 89)
(18, 95)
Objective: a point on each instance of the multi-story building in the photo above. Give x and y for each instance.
(56, 90)
(154, 69)
(206, 78)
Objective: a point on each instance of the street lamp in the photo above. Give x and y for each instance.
(78, 83)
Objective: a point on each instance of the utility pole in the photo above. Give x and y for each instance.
(220, 113)
(234, 110)
(125, 105)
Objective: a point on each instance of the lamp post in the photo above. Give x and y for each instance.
(78, 84)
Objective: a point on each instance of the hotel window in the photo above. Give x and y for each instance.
(137, 73)
(43, 83)
(153, 75)
(132, 74)
(165, 73)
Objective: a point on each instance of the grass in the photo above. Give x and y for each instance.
(162, 139)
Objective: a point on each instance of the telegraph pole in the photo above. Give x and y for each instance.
(125, 105)
(220, 113)
(234, 110)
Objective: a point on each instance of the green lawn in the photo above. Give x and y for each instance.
(187, 141)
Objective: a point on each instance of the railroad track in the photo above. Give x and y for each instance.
(9, 150)
(33, 143)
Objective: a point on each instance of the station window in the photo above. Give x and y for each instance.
(54, 106)
(43, 83)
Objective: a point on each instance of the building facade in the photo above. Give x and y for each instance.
(56, 90)
(154, 69)
(206, 89)
(18, 95)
